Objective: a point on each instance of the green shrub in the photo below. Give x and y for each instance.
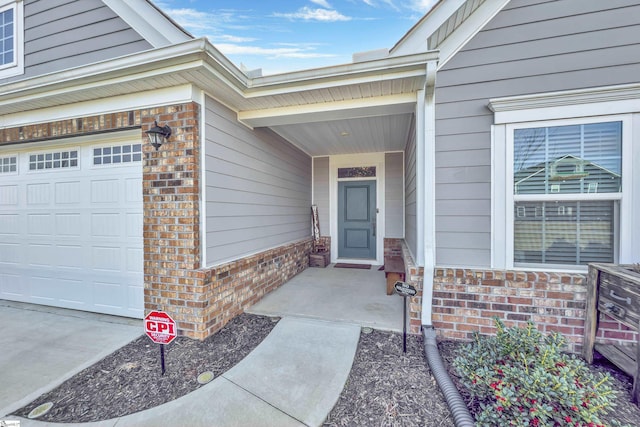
(522, 378)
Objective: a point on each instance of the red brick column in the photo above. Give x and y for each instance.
(172, 218)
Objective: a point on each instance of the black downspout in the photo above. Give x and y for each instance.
(461, 415)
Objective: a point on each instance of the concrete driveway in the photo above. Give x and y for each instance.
(42, 346)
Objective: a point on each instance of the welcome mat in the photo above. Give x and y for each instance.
(360, 266)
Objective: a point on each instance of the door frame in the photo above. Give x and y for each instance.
(357, 160)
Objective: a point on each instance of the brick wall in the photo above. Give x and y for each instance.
(466, 300)
(201, 301)
(230, 288)
(414, 276)
(71, 127)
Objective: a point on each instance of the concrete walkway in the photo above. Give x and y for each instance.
(338, 294)
(293, 378)
(41, 347)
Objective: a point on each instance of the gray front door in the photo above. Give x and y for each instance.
(357, 219)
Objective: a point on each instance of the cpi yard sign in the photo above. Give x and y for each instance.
(160, 327)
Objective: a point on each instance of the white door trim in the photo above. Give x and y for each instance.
(355, 160)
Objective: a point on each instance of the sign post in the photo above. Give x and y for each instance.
(405, 290)
(161, 328)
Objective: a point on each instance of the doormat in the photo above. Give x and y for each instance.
(360, 266)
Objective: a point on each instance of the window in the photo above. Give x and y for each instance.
(357, 172)
(11, 38)
(7, 37)
(8, 164)
(56, 160)
(572, 176)
(117, 154)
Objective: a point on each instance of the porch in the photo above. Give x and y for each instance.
(336, 294)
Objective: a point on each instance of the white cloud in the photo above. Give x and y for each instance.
(422, 6)
(322, 3)
(279, 52)
(308, 14)
(191, 18)
(233, 39)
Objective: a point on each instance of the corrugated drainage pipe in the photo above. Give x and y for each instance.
(461, 415)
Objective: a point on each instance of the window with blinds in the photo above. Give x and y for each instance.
(567, 189)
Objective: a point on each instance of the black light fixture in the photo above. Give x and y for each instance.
(157, 134)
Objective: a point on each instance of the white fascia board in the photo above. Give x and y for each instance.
(340, 75)
(350, 109)
(186, 56)
(553, 105)
(468, 29)
(416, 38)
(148, 21)
(134, 101)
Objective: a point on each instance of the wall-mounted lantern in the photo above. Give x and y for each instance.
(157, 135)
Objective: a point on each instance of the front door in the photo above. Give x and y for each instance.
(357, 219)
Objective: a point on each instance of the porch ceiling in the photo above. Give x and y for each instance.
(349, 136)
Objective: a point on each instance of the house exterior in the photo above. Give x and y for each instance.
(415, 151)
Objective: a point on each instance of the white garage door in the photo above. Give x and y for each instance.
(71, 225)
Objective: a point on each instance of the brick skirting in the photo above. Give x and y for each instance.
(466, 300)
(414, 276)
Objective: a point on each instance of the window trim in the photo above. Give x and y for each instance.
(503, 199)
(17, 66)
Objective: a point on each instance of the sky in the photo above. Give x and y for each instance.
(287, 35)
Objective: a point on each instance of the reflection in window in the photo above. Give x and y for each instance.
(565, 166)
(8, 164)
(117, 154)
(570, 233)
(57, 160)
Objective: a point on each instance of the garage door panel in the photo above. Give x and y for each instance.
(68, 192)
(109, 294)
(9, 224)
(134, 223)
(8, 195)
(105, 191)
(9, 253)
(68, 224)
(43, 288)
(105, 225)
(135, 260)
(74, 291)
(132, 190)
(70, 256)
(40, 224)
(106, 258)
(40, 255)
(38, 194)
(72, 237)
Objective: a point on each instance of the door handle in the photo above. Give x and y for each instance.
(374, 228)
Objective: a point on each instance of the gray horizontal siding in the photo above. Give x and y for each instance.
(321, 192)
(394, 191)
(62, 34)
(258, 188)
(531, 46)
(410, 205)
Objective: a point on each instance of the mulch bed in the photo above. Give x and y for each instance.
(386, 387)
(129, 380)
